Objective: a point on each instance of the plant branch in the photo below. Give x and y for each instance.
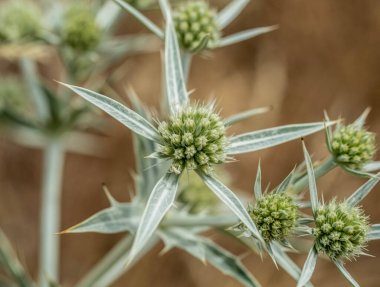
(53, 164)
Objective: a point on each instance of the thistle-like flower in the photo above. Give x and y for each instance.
(194, 138)
(19, 21)
(353, 146)
(340, 230)
(80, 30)
(196, 26)
(275, 215)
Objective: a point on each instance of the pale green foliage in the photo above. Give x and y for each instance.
(194, 138)
(195, 22)
(12, 95)
(353, 146)
(340, 230)
(196, 196)
(19, 21)
(80, 30)
(140, 3)
(275, 215)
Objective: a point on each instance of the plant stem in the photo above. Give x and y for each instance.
(186, 65)
(321, 170)
(53, 164)
(30, 74)
(112, 266)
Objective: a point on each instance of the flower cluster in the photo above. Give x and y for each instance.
(353, 146)
(193, 23)
(340, 230)
(194, 138)
(80, 30)
(275, 215)
(19, 21)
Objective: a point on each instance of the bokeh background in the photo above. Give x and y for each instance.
(325, 56)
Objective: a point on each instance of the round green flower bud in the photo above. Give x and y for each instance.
(80, 30)
(194, 138)
(196, 195)
(353, 146)
(19, 20)
(275, 215)
(340, 230)
(193, 23)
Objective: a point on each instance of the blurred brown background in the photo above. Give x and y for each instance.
(324, 56)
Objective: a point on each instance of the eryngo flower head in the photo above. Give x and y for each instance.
(80, 30)
(353, 146)
(193, 138)
(19, 21)
(196, 22)
(275, 215)
(340, 230)
(196, 195)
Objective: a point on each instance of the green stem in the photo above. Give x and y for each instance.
(321, 170)
(112, 266)
(54, 156)
(186, 65)
(30, 75)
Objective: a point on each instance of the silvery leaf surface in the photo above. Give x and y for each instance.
(177, 95)
(141, 18)
(245, 115)
(308, 268)
(312, 183)
(283, 186)
(232, 202)
(360, 121)
(345, 273)
(107, 15)
(372, 166)
(286, 262)
(258, 140)
(245, 35)
(148, 170)
(374, 233)
(363, 191)
(257, 187)
(160, 200)
(208, 252)
(230, 12)
(124, 115)
(115, 219)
